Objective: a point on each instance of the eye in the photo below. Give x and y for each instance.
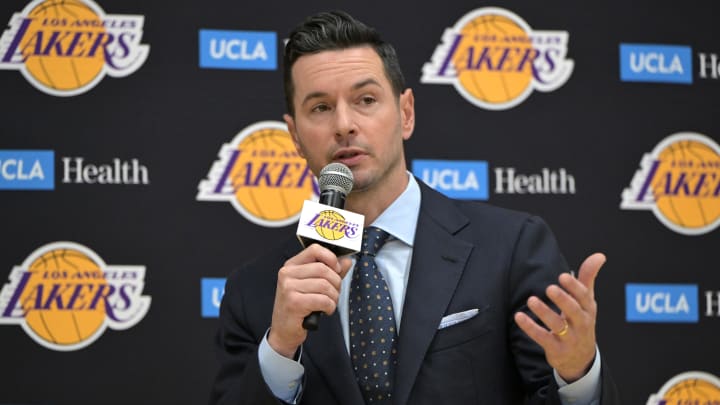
(320, 108)
(367, 100)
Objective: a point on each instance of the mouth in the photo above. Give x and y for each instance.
(347, 154)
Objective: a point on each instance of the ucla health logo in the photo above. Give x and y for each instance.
(656, 63)
(661, 302)
(64, 296)
(455, 178)
(691, 387)
(27, 170)
(252, 50)
(679, 181)
(495, 60)
(261, 174)
(66, 47)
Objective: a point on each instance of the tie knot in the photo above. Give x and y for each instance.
(373, 239)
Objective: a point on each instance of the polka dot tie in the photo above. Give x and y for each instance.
(373, 339)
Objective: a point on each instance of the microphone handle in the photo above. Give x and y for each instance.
(311, 321)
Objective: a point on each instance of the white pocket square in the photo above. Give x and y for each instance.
(457, 317)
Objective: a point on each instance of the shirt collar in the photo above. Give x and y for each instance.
(400, 218)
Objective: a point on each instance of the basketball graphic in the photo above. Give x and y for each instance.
(683, 206)
(692, 390)
(66, 47)
(334, 229)
(495, 60)
(692, 387)
(53, 67)
(478, 76)
(680, 182)
(64, 296)
(262, 175)
(54, 321)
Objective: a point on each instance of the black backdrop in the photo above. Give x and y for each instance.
(173, 116)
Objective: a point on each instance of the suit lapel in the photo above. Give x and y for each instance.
(438, 261)
(326, 350)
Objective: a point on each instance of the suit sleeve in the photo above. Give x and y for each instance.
(239, 380)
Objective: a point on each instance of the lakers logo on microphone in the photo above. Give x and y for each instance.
(495, 60)
(331, 225)
(66, 47)
(679, 181)
(64, 296)
(261, 174)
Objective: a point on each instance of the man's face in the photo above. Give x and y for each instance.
(345, 111)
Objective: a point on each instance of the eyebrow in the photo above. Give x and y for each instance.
(356, 86)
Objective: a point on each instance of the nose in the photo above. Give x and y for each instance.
(345, 124)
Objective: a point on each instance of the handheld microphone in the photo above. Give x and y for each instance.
(336, 182)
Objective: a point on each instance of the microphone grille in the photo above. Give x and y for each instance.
(336, 176)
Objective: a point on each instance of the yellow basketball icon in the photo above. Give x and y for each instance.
(693, 391)
(489, 56)
(270, 180)
(685, 193)
(690, 387)
(58, 301)
(334, 222)
(64, 62)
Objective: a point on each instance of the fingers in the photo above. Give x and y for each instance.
(315, 253)
(589, 270)
(308, 282)
(542, 336)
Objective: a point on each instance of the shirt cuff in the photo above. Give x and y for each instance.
(282, 375)
(586, 390)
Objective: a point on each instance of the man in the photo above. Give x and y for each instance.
(476, 316)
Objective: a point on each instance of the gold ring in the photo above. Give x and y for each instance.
(562, 331)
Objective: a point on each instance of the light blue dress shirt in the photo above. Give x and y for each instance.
(284, 376)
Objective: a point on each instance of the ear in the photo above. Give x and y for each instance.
(293, 133)
(407, 113)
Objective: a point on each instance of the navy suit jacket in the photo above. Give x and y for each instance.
(466, 255)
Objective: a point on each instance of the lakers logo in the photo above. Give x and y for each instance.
(261, 174)
(495, 60)
(64, 296)
(679, 181)
(692, 387)
(66, 47)
(331, 225)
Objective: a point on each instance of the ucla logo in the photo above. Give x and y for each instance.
(212, 291)
(66, 47)
(679, 181)
(662, 303)
(331, 225)
(655, 63)
(252, 50)
(27, 170)
(261, 174)
(495, 60)
(64, 296)
(688, 388)
(454, 178)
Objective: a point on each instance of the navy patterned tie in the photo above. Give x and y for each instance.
(373, 338)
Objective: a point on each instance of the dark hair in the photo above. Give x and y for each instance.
(336, 30)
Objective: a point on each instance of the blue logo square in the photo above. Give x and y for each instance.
(462, 179)
(656, 63)
(661, 303)
(211, 294)
(246, 50)
(27, 170)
